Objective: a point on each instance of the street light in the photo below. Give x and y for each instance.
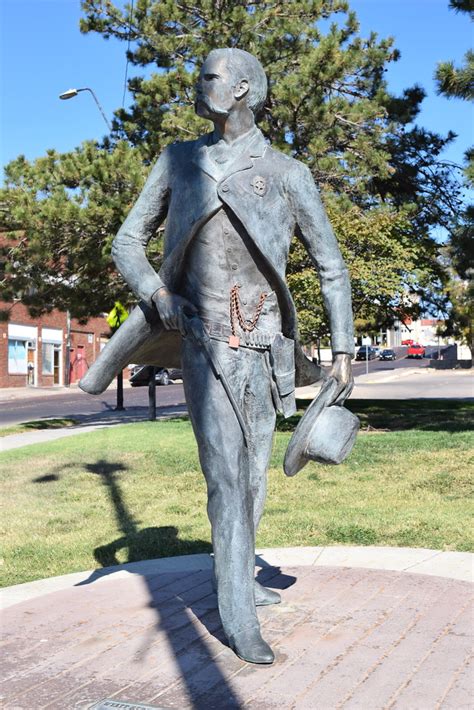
(71, 93)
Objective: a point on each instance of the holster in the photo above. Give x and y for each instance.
(282, 360)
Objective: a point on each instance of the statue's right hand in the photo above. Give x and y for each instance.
(171, 309)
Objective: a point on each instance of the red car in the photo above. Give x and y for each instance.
(407, 342)
(416, 350)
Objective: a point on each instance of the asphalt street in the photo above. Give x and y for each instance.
(360, 368)
(75, 403)
(46, 404)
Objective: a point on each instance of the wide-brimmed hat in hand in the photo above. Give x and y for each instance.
(326, 432)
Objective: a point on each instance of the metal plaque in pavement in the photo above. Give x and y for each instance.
(111, 704)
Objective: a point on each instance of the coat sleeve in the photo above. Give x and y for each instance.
(315, 232)
(149, 211)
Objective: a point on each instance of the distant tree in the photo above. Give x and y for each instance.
(460, 320)
(458, 262)
(382, 262)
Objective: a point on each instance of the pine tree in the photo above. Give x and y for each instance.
(328, 105)
(60, 214)
(458, 82)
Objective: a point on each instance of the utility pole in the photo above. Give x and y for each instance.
(366, 340)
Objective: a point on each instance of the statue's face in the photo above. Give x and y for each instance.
(214, 90)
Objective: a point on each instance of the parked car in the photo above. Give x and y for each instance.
(388, 354)
(416, 350)
(376, 349)
(366, 352)
(409, 341)
(163, 376)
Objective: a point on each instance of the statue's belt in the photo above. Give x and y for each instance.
(258, 339)
(282, 359)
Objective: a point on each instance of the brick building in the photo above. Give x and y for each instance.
(34, 351)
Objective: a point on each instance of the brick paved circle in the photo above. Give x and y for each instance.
(344, 638)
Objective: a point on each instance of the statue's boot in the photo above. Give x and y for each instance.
(250, 646)
(263, 595)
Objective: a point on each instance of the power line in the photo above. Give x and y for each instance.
(128, 50)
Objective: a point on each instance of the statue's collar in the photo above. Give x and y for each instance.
(248, 146)
(249, 142)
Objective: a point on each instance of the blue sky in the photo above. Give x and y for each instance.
(43, 53)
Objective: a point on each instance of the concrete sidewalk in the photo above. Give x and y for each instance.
(365, 628)
(87, 423)
(12, 394)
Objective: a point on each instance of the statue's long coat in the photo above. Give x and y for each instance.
(185, 188)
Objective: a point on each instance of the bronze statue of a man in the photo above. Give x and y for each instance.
(232, 205)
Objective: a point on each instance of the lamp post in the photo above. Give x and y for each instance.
(71, 93)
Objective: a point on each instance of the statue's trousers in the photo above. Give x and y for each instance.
(235, 474)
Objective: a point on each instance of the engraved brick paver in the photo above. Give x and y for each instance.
(344, 638)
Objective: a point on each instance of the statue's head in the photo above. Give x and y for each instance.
(227, 78)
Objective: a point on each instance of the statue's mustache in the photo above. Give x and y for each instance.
(210, 105)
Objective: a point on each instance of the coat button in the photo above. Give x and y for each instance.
(225, 188)
(234, 267)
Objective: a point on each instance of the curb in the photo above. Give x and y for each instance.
(450, 565)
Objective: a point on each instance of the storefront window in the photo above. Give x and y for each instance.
(17, 359)
(47, 351)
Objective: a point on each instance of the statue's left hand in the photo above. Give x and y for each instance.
(341, 371)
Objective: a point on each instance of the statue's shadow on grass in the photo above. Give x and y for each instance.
(147, 544)
(184, 612)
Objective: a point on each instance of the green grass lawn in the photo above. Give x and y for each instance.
(135, 492)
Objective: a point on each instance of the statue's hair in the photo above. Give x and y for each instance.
(243, 65)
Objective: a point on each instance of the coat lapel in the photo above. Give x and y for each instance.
(200, 157)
